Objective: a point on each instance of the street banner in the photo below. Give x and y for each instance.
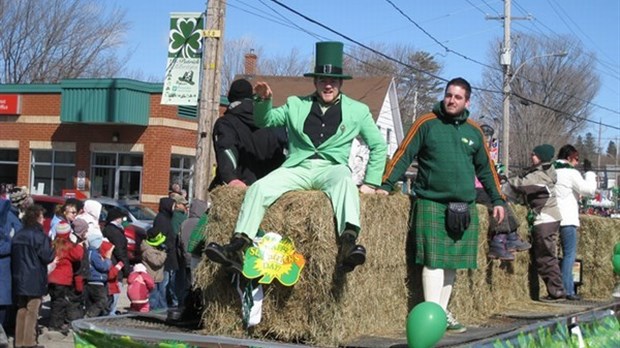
(182, 81)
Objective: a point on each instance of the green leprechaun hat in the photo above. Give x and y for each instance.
(328, 60)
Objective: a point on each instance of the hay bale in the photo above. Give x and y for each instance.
(326, 308)
(597, 238)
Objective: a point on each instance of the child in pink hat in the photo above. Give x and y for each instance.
(140, 286)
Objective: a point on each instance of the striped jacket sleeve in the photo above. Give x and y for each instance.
(405, 154)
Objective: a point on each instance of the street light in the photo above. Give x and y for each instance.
(508, 77)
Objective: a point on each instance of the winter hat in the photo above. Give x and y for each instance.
(95, 240)
(80, 227)
(544, 152)
(105, 246)
(92, 208)
(240, 89)
(114, 214)
(138, 267)
(63, 229)
(155, 238)
(18, 195)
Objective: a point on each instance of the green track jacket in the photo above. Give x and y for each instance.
(451, 152)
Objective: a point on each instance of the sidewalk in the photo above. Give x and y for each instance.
(55, 339)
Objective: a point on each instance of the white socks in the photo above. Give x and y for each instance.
(437, 284)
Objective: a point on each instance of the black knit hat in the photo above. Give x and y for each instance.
(114, 214)
(240, 89)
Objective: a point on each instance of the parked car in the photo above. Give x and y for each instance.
(50, 204)
(137, 213)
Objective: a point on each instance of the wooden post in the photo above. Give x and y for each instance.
(213, 37)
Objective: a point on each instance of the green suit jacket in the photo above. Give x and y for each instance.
(356, 120)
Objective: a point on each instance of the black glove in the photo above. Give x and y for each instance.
(587, 165)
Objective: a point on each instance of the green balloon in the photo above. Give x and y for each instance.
(616, 263)
(426, 325)
(617, 249)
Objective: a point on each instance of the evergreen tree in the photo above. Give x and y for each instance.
(612, 149)
(590, 150)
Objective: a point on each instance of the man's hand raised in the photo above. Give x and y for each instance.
(262, 90)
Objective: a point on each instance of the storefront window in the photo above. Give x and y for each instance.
(117, 175)
(51, 171)
(8, 166)
(182, 172)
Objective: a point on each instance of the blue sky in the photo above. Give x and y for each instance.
(459, 25)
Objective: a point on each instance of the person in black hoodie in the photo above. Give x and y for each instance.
(244, 152)
(115, 233)
(163, 224)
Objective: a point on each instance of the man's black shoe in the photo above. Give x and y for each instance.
(350, 254)
(356, 257)
(229, 255)
(573, 297)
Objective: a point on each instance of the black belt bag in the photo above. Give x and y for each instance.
(457, 219)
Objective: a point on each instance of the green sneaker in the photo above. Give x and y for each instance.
(453, 325)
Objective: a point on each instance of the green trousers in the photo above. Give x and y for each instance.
(311, 174)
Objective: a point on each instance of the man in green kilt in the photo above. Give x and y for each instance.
(451, 151)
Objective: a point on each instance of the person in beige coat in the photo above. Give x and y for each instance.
(153, 257)
(537, 189)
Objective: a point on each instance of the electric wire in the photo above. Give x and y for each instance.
(446, 48)
(311, 20)
(494, 68)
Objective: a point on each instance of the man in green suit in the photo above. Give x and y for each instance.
(321, 128)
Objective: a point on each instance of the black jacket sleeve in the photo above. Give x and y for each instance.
(117, 237)
(226, 146)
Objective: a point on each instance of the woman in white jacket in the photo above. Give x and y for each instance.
(570, 185)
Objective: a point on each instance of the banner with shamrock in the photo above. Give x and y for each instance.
(181, 84)
(273, 257)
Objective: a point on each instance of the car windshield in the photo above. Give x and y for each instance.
(141, 212)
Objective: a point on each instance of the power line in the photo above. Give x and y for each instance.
(562, 112)
(311, 20)
(486, 65)
(357, 42)
(448, 49)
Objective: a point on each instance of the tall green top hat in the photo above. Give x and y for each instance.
(328, 60)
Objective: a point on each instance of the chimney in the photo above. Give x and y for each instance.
(250, 63)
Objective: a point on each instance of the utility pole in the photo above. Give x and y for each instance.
(505, 59)
(210, 86)
(599, 148)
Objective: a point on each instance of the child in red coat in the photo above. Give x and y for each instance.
(107, 247)
(140, 286)
(60, 277)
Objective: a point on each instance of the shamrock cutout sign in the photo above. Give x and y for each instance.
(273, 257)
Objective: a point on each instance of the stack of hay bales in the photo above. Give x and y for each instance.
(328, 308)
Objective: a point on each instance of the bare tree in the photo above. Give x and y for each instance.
(46, 41)
(550, 94)
(234, 58)
(293, 64)
(417, 90)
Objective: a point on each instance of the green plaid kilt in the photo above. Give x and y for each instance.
(435, 248)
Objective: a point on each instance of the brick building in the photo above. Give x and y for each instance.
(105, 137)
